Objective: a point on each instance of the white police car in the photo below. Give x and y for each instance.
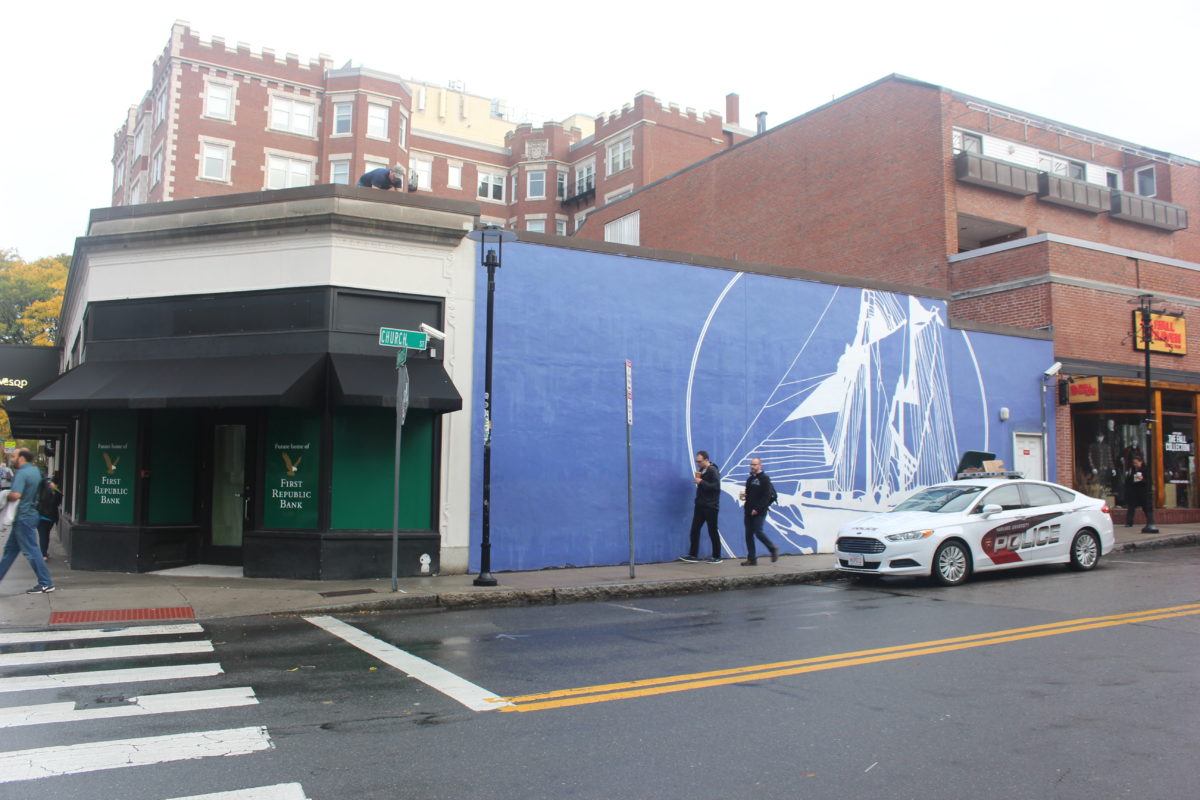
(953, 529)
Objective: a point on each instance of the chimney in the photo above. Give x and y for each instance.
(762, 121)
(732, 110)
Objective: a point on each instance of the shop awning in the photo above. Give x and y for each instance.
(290, 380)
(371, 381)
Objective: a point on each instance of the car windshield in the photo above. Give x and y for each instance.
(943, 499)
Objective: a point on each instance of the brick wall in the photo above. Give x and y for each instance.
(851, 188)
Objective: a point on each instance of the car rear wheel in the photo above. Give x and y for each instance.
(1085, 551)
(951, 563)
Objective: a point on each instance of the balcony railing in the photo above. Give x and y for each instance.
(582, 199)
(993, 173)
(1148, 211)
(1074, 194)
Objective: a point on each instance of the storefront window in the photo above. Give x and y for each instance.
(1179, 461)
(1107, 435)
(363, 469)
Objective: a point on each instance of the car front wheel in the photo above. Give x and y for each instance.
(1085, 551)
(951, 564)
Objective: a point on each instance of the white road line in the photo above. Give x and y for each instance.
(18, 716)
(98, 633)
(473, 697)
(101, 677)
(101, 653)
(280, 791)
(46, 762)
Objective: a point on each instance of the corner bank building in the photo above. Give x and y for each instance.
(221, 395)
(224, 398)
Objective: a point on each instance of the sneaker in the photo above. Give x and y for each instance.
(689, 559)
(40, 590)
(774, 554)
(750, 562)
(713, 560)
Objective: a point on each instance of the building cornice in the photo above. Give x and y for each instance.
(1067, 240)
(1066, 280)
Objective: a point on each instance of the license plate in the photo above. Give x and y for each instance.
(854, 559)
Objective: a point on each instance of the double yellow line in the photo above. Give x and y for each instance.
(604, 693)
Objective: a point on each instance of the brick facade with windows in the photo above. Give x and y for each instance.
(225, 119)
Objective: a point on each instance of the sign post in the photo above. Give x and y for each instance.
(629, 454)
(394, 337)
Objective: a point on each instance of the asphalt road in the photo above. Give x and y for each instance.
(1039, 683)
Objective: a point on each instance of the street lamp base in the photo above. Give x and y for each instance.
(485, 579)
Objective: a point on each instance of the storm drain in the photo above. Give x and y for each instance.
(346, 592)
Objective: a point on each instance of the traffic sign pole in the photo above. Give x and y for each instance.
(629, 455)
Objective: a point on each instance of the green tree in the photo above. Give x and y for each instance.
(31, 297)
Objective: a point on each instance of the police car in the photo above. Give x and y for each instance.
(952, 529)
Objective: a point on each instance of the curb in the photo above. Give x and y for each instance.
(496, 598)
(499, 598)
(1178, 540)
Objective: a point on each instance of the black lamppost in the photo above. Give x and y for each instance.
(491, 240)
(1145, 334)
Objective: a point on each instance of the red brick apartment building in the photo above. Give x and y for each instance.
(1025, 221)
(220, 119)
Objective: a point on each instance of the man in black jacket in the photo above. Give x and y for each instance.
(759, 495)
(708, 502)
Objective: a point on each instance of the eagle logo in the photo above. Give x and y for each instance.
(291, 468)
(111, 465)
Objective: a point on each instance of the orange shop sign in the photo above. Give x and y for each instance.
(1083, 390)
(1168, 333)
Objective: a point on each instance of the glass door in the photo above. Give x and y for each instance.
(230, 494)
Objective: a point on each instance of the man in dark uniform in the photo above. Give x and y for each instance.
(383, 178)
(708, 501)
(759, 495)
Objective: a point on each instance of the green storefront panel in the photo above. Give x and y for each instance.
(292, 470)
(172, 467)
(364, 455)
(112, 461)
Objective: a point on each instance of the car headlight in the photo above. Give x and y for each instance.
(908, 536)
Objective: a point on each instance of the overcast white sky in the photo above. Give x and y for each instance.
(1119, 68)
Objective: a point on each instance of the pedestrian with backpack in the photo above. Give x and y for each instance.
(759, 495)
(49, 501)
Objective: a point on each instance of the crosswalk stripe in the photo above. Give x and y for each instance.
(98, 633)
(100, 653)
(17, 716)
(280, 791)
(45, 762)
(453, 686)
(101, 677)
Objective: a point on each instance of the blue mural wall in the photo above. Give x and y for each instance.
(851, 397)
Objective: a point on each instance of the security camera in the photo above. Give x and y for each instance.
(432, 331)
(1053, 370)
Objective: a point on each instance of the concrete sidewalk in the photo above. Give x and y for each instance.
(205, 592)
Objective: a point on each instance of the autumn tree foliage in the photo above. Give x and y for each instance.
(31, 295)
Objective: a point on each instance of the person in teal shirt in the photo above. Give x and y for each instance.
(23, 537)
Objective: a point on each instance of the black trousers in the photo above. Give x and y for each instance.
(754, 530)
(1133, 501)
(701, 516)
(43, 528)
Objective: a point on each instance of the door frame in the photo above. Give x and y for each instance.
(251, 421)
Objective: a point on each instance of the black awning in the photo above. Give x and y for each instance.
(371, 381)
(270, 380)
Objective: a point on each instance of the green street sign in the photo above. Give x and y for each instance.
(394, 337)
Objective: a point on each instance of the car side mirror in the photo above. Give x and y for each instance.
(990, 509)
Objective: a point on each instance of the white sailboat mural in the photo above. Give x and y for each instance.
(842, 443)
